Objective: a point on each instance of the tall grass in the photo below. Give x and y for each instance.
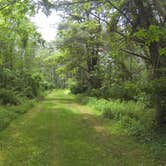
(133, 116)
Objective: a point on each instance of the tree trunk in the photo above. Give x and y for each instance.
(92, 62)
(158, 93)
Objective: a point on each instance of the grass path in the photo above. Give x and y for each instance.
(61, 132)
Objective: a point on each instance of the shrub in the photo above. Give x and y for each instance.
(6, 116)
(134, 127)
(94, 92)
(8, 113)
(128, 90)
(133, 116)
(9, 97)
(75, 89)
(47, 85)
(22, 108)
(108, 114)
(115, 92)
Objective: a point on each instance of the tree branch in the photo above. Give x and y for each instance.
(120, 11)
(6, 5)
(72, 3)
(136, 54)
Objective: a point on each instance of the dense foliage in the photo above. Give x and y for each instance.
(20, 65)
(22, 76)
(115, 49)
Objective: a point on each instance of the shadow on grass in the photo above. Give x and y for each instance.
(61, 100)
(61, 136)
(122, 148)
(83, 140)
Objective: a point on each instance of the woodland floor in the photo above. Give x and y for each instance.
(61, 132)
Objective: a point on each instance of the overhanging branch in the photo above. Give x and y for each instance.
(120, 11)
(136, 54)
(72, 3)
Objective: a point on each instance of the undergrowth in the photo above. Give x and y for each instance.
(131, 118)
(10, 112)
(13, 104)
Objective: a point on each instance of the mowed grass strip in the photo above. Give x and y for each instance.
(61, 132)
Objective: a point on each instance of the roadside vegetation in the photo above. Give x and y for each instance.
(8, 113)
(132, 119)
(22, 76)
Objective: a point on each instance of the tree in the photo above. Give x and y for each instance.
(139, 25)
(145, 25)
(19, 39)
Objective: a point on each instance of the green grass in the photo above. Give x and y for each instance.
(61, 132)
(130, 118)
(10, 112)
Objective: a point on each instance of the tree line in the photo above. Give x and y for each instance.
(22, 70)
(115, 49)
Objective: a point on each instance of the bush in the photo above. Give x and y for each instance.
(108, 114)
(5, 117)
(134, 127)
(132, 116)
(92, 92)
(75, 89)
(9, 97)
(114, 92)
(47, 85)
(125, 91)
(22, 108)
(8, 113)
